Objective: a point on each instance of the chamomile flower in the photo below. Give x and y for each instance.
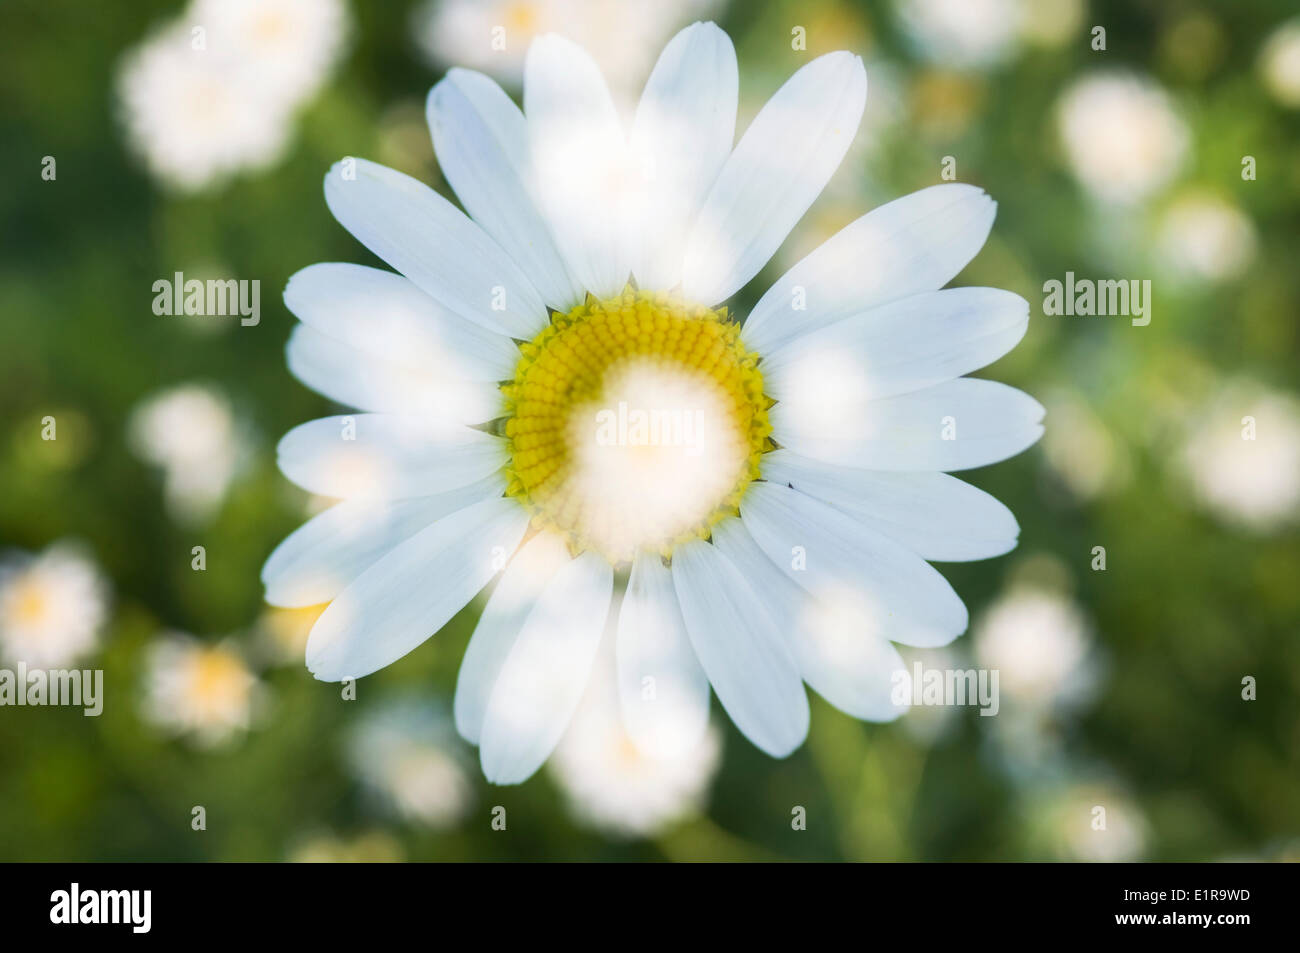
(52, 606)
(205, 693)
(213, 92)
(288, 46)
(1279, 63)
(1040, 644)
(192, 115)
(1121, 135)
(1202, 237)
(405, 753)
(758, 485)
(1241, 456)
(494, 35)
(963, 33)
(191, 432)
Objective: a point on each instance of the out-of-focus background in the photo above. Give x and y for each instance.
(1166, 148)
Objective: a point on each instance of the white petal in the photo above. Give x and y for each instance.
(935, 515)
(320, 559)
(523, 582)
(900, 347)
(481, 140)
(895, 594)
(914, 244)
(668, 721)
(435, 244)
(852, 669)
(681, 137)
(409, 594)
(584, 176)
(359, 379)
(383, 455)
(952, 426)
(543, 678)
(384, 314)
(747, 659)
(778, 169)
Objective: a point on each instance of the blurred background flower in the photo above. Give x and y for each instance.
(1242, 456)
(52, 606)
(407, 754)
(493, 35)
(213, 92)
(205, 693)
(190, 431)
(1121, 136)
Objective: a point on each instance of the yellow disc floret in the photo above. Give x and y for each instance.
(635, 422)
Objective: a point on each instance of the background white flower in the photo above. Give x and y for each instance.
(191, 432)
(1279, 63)
(214, 91)
(1204, 237)
(1039, 642)
(623, 37)
(52, 605)
(407, 753)
(1090, 821)
(1121, 135)
(963, 32)
(1247, 473)
(203, 692)
(288, 47)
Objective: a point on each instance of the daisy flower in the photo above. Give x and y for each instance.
(1122, 138)
(1241, 456)
(405, 753)
(205, 692)
(288, 47)
(1040, 644)
(213, 92)
(191, 432)
(193, 115)
(553, 384)
(494, 35)
(52, 606)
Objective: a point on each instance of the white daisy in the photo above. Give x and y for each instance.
(193, 115)
(191, 432)
(1039, 643)
(1093, 822)
(405, 753)
(1205, 237)
(213, 92)
(963, 33)
(1121, 135)
(494, 35)
(732, 543)
(202, 691)
(288, 47)
(615, 785)
(1242, 456)
(52, 606)
(1279, 63)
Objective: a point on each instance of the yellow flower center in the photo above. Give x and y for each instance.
(30, 603)
(219, 679)
(634, 423)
